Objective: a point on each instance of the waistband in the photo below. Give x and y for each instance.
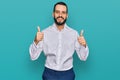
(48, 69)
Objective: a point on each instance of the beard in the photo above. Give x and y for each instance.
(60, 23)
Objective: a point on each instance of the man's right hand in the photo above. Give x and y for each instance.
(39, 36)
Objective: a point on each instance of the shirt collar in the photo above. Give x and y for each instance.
(55, 27)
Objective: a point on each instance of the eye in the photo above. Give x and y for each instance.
(57, 11)
(63, 12)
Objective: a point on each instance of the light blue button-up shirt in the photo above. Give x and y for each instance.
(58, 47)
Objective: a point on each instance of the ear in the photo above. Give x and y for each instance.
(53, 14)
(67, 15)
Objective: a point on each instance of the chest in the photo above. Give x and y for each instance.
(64, 38)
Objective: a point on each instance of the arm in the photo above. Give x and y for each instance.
(35, 50)
(37, 46)
(82, 51)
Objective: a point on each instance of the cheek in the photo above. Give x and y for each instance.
(65, 16)
(55, 15)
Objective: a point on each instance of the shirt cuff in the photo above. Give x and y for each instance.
(39, 45)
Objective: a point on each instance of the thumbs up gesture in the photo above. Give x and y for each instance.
(81, 39)
(39, 36)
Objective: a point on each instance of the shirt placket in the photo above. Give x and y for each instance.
(59, 48)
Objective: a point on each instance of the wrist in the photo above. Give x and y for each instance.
(36, 41)
(84, 45)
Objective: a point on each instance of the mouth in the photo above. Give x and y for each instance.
(60, 18)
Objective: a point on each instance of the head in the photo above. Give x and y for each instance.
(60, 13)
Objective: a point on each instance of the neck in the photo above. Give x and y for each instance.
(60, 27)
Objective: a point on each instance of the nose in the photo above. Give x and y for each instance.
(60, 14)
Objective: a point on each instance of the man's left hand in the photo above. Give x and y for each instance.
(81, 39)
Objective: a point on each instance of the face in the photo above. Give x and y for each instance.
(60, 15)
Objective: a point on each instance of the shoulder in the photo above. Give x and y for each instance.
(71, 30)
(47, 29)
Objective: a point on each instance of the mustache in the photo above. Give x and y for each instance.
(60, 17)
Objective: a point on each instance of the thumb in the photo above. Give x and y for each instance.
(81, 32)
(38, 28)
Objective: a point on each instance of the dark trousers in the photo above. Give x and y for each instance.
(49, 74)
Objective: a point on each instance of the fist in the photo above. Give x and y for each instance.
(39, 36)
(81, 39)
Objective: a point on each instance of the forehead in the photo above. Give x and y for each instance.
(60, 7)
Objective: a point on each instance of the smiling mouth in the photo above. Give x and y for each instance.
(60, 17)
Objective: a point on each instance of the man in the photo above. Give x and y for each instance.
(58, 42)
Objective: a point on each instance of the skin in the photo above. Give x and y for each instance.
(60, 11)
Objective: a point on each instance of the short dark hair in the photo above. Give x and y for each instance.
(61, 3)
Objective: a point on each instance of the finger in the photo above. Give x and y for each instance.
(38, 29)
(81, 32)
